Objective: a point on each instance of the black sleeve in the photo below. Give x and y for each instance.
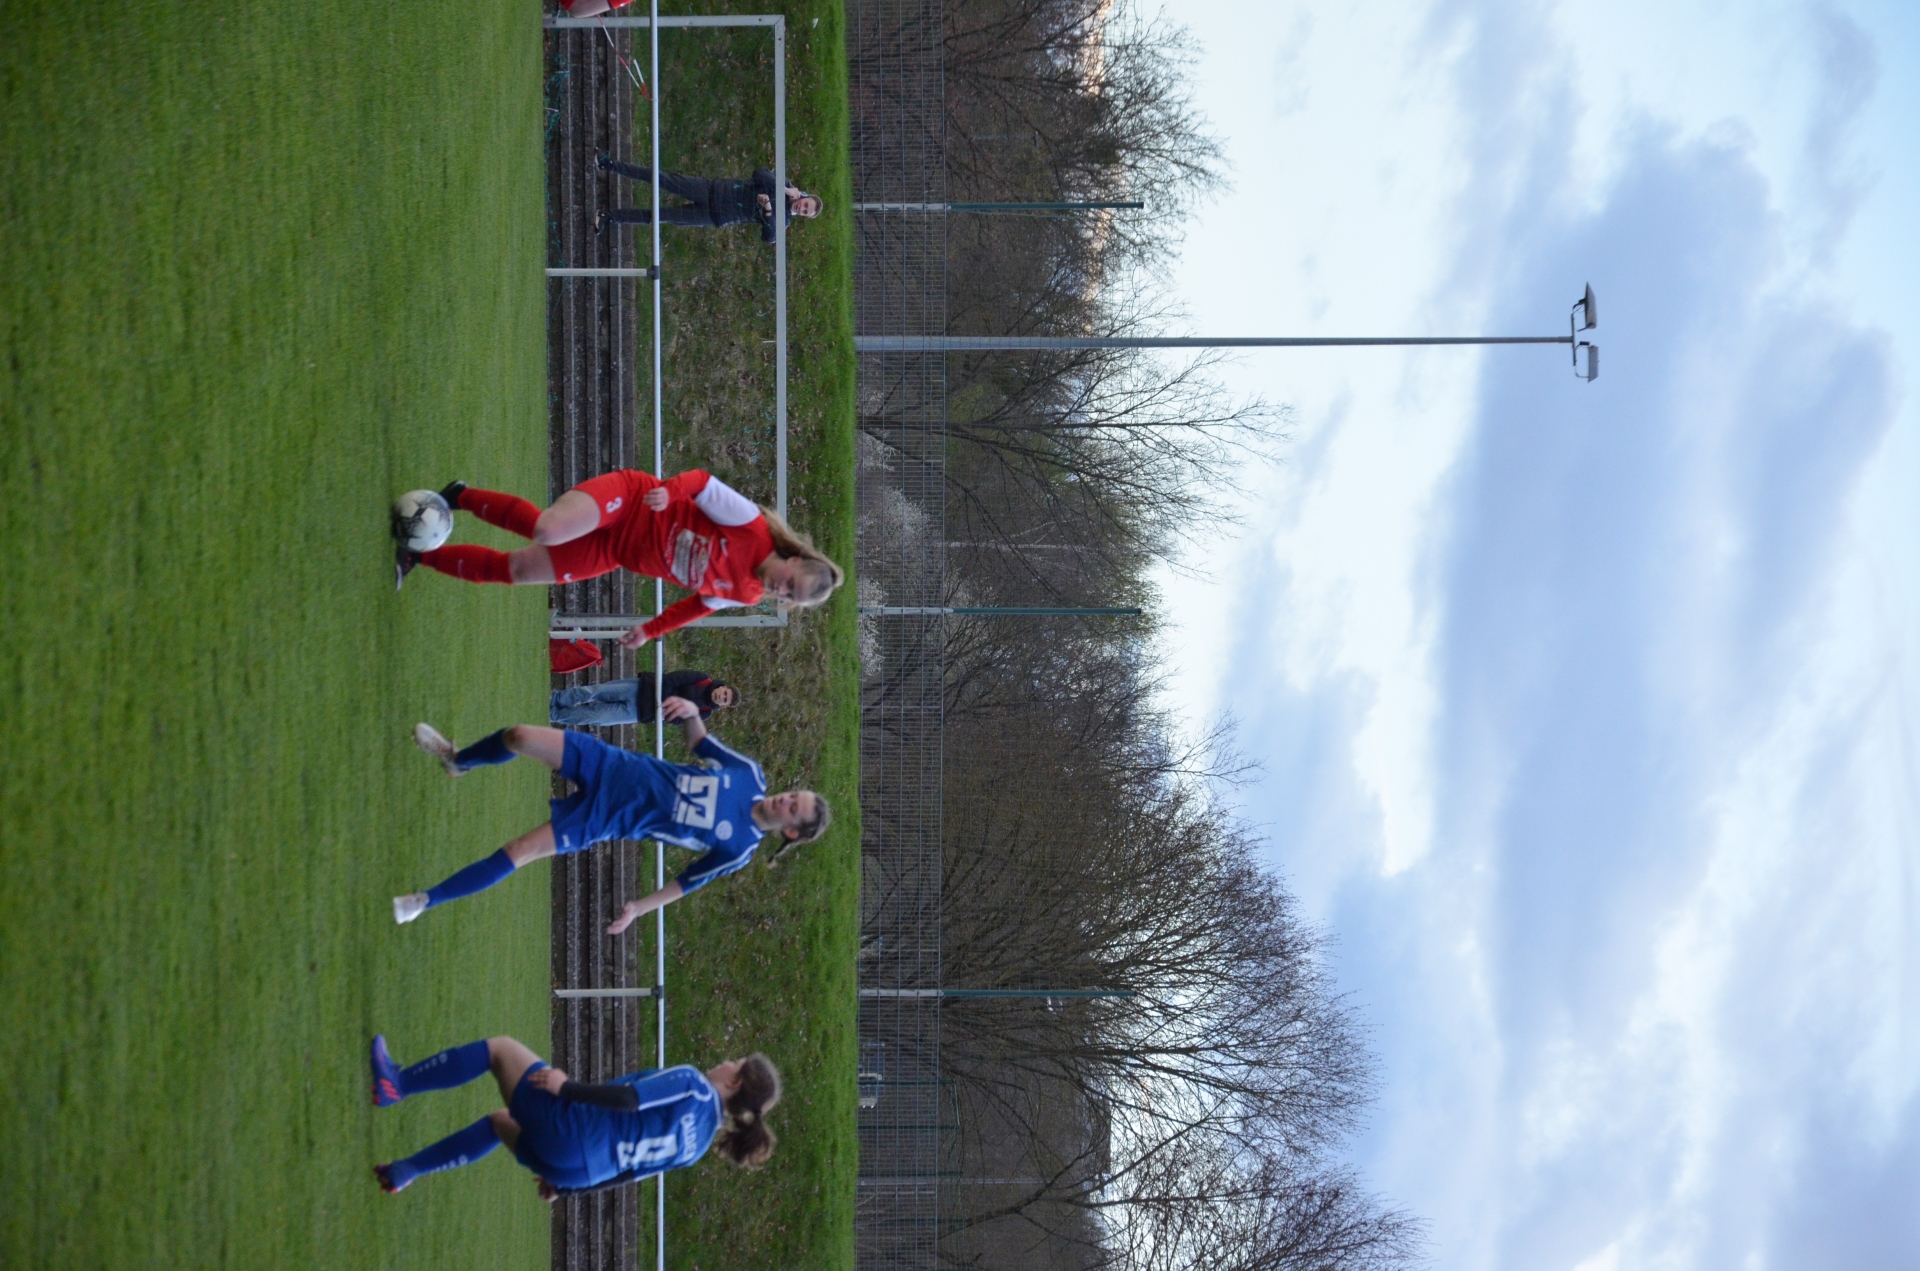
(677, 683)
(617, 1095)
(763, 183)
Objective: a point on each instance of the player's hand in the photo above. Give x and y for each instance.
(633, 639)
(679, 708)
(548, 1079)
(628, 912)
(548, 1192)
(766, 204)
(657, 498)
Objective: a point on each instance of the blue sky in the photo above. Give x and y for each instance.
(1586, 713)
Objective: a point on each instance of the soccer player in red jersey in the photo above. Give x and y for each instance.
(692, 529)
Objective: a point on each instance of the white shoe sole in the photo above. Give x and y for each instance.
(428, 738)
(407, 908)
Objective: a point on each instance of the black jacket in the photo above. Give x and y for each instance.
(695, 686)
(737, 202)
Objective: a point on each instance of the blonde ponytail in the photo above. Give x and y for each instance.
(790, 543)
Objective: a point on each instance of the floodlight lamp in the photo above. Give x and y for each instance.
(1589, 310)
(1593, 362)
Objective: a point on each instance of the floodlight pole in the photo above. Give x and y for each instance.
(994, 207)
(980, 993)
(994, 611)
(1585, 317)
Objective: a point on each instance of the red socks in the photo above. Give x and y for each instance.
(466, 560)
(477, 564)
(509, 512)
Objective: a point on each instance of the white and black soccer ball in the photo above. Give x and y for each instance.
(422, 520)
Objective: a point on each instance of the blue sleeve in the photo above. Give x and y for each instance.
(670, 1085)
(715, 864)
(712, 748)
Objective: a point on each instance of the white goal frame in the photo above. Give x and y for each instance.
(565, 626)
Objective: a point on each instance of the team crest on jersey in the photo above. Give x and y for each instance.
(723, 831)
(690, 555)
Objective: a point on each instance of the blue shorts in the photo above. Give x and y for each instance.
(612, 784)
(554, 1133)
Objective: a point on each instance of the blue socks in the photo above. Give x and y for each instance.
(478, 876)
(455, 1066)
(462, 1148)
(489, 749)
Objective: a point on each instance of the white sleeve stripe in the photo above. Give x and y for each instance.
(725, 505)
(684, 1094)
(720, 602)
(715, 872)
(759, 776)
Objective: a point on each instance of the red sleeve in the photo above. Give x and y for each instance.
(676, 615)
(686, 484)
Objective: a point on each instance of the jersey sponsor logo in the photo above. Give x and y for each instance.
(614, 506)
(695, 806)
(690, 555)
(657, 1150)
(688, 1140)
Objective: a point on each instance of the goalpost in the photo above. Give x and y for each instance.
(602, 626)
(577, 626)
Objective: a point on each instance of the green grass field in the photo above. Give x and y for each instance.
(262, 269)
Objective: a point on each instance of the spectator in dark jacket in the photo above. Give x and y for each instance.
(614, 702)
(713, 202)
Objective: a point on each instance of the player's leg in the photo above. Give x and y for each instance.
(566, 528)
(497, 508)
(545, 745)
(572, 515)
(454, 1066)
(510, 1059)
(463, 1147)
(536, 844)
(603, 705)
(574, 561)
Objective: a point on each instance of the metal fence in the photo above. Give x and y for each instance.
(906, 1117)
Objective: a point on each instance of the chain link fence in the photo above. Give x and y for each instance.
(906, 1118)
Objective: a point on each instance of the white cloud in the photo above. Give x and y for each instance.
(1588, 718)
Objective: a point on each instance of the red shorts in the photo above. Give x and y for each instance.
(591, 555)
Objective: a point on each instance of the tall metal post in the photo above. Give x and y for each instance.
(659, 603)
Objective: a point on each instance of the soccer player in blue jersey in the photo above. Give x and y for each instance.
(580, 1138)
(719, 803)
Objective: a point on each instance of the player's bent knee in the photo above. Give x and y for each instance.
(505, 1128)
(525, 566)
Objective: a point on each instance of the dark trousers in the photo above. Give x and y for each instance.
(697, 190)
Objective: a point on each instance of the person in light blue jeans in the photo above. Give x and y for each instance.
(612, 703)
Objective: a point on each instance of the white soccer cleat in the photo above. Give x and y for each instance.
(428, 738)
(407, 908)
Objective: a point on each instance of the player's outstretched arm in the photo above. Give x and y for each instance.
(634, 910)
(687, 715)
